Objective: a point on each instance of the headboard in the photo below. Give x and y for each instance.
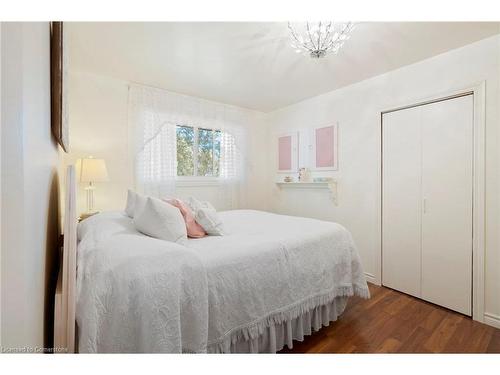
(65, 299)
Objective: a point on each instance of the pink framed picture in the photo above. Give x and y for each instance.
(325, 148)
(287, 152)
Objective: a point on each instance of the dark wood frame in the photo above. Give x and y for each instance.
(57, 94)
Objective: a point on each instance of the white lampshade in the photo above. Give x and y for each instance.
(93, 170)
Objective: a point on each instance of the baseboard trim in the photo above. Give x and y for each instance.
(371, 278)
(492, 320)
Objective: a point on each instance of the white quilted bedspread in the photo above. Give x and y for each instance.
(138, 294)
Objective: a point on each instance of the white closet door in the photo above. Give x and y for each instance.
(447, 131)
(401, 200)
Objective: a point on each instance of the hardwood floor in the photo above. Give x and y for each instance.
(393, 322)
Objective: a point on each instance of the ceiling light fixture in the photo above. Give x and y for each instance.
(317, 39)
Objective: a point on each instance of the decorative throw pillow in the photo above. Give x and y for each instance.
(195, 204)
(210, 221)
(130, 208)
(161, 220)
(194, 230)
(206, 215)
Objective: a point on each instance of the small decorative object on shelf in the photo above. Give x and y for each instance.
(322, 179)
(304, 175)
(288, 179)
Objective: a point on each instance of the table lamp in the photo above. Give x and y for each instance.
(92, 170)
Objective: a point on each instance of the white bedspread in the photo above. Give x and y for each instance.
(136, 293)
(141, 294)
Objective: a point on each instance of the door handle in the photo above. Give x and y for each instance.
(424, 205)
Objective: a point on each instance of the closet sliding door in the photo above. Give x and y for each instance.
(427, 202)
(447, 197)
(401, 200)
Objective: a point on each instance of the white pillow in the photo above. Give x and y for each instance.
(139, 203)
(130, 208)
(210, 221)
(206, 215)
(161, 220)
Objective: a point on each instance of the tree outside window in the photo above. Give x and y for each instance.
(198, 151)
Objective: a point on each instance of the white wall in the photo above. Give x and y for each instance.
(98, 127)
(357, 108)
(29, 216)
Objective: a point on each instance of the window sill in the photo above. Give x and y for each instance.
(196, 182)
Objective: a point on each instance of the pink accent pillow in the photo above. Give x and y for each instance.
(194, 230)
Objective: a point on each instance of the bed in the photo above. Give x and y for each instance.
(269, 280)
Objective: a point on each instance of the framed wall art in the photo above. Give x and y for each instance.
(287, 145)
(59, 84)
(324, 148)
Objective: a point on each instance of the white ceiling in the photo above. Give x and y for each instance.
(252, 64)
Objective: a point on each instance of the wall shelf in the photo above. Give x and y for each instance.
(304, 185)
(330, 185)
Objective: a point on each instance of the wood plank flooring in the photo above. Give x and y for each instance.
(393, 322)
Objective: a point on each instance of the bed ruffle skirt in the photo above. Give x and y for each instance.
(276, 335)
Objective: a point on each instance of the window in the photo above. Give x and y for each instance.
(198, 151)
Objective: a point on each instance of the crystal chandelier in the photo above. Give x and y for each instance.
(317, 39)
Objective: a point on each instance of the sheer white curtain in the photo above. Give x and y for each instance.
(153, 117)
(232, 157)
(155, 142)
